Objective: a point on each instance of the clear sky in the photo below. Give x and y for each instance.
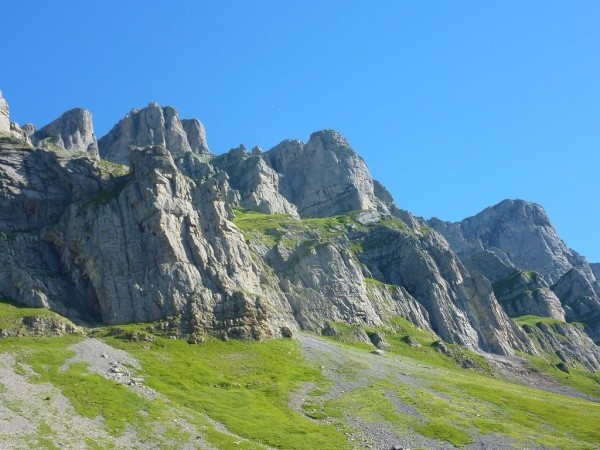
(455, 106)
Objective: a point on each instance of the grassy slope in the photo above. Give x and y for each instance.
(246, 387)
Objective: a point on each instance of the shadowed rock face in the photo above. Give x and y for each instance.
(526, 293)
(153, 125)
(73, 131)
(579, 292)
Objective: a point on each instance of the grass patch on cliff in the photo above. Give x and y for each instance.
(272, 229)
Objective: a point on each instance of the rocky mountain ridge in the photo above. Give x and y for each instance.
(515, 240)
(152, 226)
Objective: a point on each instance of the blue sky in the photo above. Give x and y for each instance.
(455, 106)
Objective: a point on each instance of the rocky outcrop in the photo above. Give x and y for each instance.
(160, 240)
(153, 125)
(323, 177)
(579, 293)
(73, 131)
(462, 308)
(36, 188)
(564, 343)
(162, 245)
(520, 235)
(196, 135)
(516, 231)
(526, 293)
(595, 267)
(4, 116)
(256, 182)
(8, 129)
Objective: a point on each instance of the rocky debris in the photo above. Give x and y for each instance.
(153, 125)
(323, 177)
(579, 293)
(72, 131)
(256, 182)
(515, 230)
(378, 341)
(525, 292)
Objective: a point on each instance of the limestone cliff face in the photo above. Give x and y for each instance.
(162, 245)
(323, 177)
(520, 237)
(567, 342)
(72, 131)
(526, 293)
(256, 182)
(461, 306)
(579, 292)
(153, 125)
(517, 231)
(162, 238)
(4, 115)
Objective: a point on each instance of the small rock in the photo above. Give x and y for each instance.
(104, 355)
(378, 352)
(286, 332)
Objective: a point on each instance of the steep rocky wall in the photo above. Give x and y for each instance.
(518, 232)
(323, 177)
(153, 125)
(72, 131)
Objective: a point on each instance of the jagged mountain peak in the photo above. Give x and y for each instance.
(324, 176)
(72, 131)
(518, 231)
(514, 210)
(153, 125)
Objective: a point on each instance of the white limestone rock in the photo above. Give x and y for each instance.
(73, 131)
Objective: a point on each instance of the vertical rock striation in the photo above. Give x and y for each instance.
(153, 125)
